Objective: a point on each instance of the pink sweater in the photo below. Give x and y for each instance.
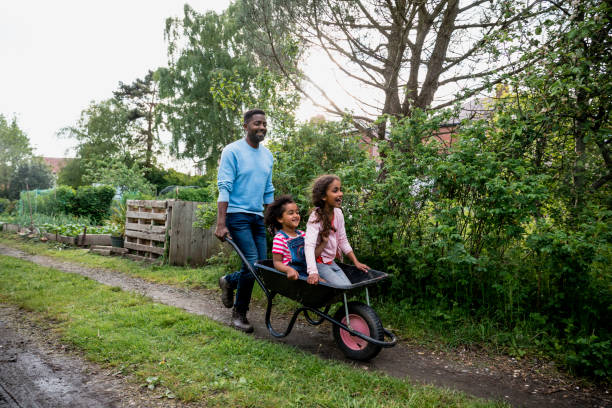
(336, 240)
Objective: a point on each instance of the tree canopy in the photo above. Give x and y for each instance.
(14, 149)
(30, 175)
(404, 51)
(214, 76)
(141, 98)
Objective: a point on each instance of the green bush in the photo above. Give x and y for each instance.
(64, 199)
(131, 195)
(4, 205)
(195, 194)
(51, 202)
(474, 230)
(94, 202)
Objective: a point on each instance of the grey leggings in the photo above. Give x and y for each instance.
(333, 274)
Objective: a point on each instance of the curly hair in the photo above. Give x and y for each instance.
(275, 211)
(319, 191)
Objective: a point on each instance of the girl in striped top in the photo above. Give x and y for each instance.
(283, 218)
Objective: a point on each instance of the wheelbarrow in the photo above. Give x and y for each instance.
(357, 329)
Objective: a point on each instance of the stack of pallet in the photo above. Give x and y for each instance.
(145, 229)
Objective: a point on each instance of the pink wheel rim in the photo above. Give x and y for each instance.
(359, 325)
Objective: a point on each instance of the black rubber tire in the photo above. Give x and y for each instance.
(376, 331)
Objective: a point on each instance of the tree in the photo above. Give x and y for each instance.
(14, 149)
(404, 51)
(71, 174)
(31, 175)
(141, 98)
(563, 104)
(104, 133)
(212, 78)
(117, 174)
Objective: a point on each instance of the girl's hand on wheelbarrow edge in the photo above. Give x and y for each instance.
(362, 266)
(313, 278)
(292, 274)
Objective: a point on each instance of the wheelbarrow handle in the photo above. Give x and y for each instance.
(247, 264)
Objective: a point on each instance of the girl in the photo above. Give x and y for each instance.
(326, 227)
(283, 216)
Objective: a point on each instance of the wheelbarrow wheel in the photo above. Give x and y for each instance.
(363, 319)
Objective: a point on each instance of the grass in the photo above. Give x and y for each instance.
(435, 329)
(196, 359)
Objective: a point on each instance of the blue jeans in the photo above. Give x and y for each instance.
(249, 233)
(333, 275)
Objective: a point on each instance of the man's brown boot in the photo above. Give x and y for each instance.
(227, 293)
(240, 322)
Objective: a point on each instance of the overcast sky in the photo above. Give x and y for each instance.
(58, 56)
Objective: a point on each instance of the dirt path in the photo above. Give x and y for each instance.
(36, 370)
(522, 384)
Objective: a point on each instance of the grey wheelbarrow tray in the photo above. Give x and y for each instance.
(314, 297)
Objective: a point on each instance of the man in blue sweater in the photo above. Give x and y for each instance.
(245, 188)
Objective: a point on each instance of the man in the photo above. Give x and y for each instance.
(245, 188)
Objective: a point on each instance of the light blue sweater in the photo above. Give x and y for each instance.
(245, 178)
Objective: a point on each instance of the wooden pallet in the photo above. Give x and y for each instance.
(145, 229)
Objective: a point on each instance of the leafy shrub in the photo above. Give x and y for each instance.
(4, 205)
(72, 230)
(118, 218)
(94, 202)
(64, 200)
(195, 194)
(51, 202)
(135, 195)
(474, 229)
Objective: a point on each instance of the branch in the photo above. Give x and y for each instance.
(348, 73)
(474, 91)
(350, 56)
(476, 75)
(372, 19)
(366, 26)
(352, 40)
(498, 23)
(472, 5)
(481, 42)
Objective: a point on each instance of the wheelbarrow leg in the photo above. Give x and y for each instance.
(269, 324)
(348, 320)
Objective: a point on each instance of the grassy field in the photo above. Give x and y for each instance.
(194, 358)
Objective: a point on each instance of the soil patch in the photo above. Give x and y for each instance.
(520, 383)
(37, 370)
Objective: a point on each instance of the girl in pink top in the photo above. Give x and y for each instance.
(326, 228)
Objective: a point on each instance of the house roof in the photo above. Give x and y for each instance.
(56, 163)
(474, 109)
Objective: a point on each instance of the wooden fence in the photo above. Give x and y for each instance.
(156, 229)
(189, 245)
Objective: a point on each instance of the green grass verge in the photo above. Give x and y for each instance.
(194, 358)
(439, 330)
